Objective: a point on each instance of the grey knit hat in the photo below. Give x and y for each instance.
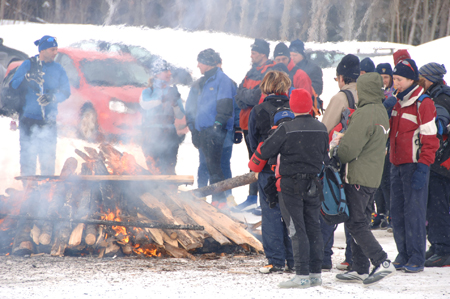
(433, 71)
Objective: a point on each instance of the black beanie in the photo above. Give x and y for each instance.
(208, 57)
(367, 65)
(261, 46)
(407, 68)
(281, 50)
(297, 46)
(349, 67)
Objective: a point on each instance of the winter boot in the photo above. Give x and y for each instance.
(298, 281)
(267, 269)
(383, 270)
(249, 203)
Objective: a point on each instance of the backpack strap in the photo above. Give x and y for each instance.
(350, 99)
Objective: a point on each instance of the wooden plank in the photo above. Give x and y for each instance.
(178, 179)
(224, 224)
(214, 233)
(184, 238)
(155, 233)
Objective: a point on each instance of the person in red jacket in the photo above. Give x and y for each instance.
(413, 143)
(248, 96)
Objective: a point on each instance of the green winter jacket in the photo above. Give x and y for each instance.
(363, 146)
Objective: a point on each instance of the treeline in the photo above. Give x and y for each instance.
(401, 21)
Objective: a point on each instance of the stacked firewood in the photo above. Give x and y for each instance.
(113, 206)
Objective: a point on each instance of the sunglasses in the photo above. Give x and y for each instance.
(408, 64)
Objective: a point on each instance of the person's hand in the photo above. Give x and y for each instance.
(237, 135)
(46, 99)
(419, 176)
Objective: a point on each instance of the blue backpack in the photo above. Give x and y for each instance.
(334, 208)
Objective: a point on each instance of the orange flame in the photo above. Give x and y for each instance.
(147, 250)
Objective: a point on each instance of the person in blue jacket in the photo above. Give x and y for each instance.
(209, 113)
(162, 104)
(234, 136)
(45, 84)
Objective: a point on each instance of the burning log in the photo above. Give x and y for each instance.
(91, 235)
(227, 184)
(58, 198)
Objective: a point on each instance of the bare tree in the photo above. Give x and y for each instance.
(244, 17)
(426, 16)
(349, 22)
(413, 22)
(367, 14)
(285, 20)
(111, 11)
(437, 7)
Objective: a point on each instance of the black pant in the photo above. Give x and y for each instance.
(301, 215)
(383, 194)
(253, 187)
(211, 144)
(364, 245)
(160, 147)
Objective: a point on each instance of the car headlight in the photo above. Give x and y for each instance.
(118, 106)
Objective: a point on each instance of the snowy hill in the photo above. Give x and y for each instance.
(181, 48)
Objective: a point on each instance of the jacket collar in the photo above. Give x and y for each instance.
(411, 96)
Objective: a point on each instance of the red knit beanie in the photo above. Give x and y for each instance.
(401, 55)
(301, 101)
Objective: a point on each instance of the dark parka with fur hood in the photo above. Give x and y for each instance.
(363, 147)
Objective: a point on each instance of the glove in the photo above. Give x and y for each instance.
(195, 138)
(237, 135)
(419, 176)
(217, 128)
(172, 96)
(46, 99)
(271, 191)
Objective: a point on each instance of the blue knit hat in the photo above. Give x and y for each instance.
(297, 46)
(433, 71)
(367, 65)
(282, 116)
(407, 68)
(384, 69)
(46, 42)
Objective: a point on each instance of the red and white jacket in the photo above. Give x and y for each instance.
(413, 130)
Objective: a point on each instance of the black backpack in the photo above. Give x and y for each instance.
(12, 100)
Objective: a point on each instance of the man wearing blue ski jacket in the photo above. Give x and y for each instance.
(45, 84)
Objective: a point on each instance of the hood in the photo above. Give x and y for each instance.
(369, 87)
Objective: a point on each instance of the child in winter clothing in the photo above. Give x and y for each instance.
(413, 146)
(276, 242)
(302, 146)
(162, 104)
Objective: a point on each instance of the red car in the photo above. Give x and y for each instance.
(105, 93)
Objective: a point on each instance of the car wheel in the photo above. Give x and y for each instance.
(88, 127)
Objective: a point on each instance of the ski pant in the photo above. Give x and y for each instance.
(211, 145)
(37, 139)
(383, 194)
(438, 214)
(363, 243)
(203, 174)
(301, 214)
(408, 212)
(160, 147)
(253, 187)
(275, 238)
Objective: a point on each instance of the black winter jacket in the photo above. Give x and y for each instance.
(303, 147)
(314, 72)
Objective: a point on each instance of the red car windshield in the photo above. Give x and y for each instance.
(113, 72)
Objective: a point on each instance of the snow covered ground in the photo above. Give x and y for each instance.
(42, 277)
